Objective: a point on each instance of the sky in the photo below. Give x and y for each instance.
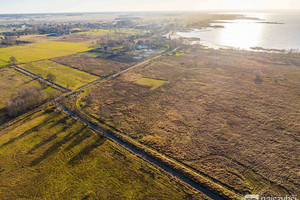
(50, 6)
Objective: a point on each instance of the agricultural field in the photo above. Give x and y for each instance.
(49, 155)
(65, 76)
(12, 80)
(42, 50)
(227, 114)
(94, 66)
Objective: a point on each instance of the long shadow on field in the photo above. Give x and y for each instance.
(60, 121)
(77, 158)
(4, 116)
(29, 81)
(51, 138)
(80, 138)
(55, 147)
(29, 131)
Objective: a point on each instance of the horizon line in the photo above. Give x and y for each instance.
(154, 11)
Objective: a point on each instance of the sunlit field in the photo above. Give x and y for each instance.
(152, 83)
(65, 76)
(49, 155)
(2, 63)
(43, 50)
(152, 105)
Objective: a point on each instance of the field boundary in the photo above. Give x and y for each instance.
(28, 73)
(51, 59)
(91, 73)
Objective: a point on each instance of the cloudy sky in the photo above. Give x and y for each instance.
(40, 6)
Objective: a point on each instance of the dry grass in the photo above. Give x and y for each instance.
(95, 66)
(213, 116)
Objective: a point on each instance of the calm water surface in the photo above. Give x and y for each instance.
(245, 34)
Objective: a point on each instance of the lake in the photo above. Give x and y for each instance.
(245, 34)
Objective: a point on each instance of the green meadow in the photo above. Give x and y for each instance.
(2, 63)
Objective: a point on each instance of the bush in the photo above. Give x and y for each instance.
(51, 77)
(258, 77)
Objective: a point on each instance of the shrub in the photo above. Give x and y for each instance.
(258, 77)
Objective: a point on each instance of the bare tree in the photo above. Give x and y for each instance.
(24, 99)
(51, 77)
(13, 60)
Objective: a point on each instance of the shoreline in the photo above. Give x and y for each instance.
(209, 45)
(214, 24)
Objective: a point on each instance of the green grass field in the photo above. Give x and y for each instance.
(2, 63)
(43, 50)
(154, 83)
(49, 155)
(65, 76)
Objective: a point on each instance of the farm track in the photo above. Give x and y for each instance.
(211, 194)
